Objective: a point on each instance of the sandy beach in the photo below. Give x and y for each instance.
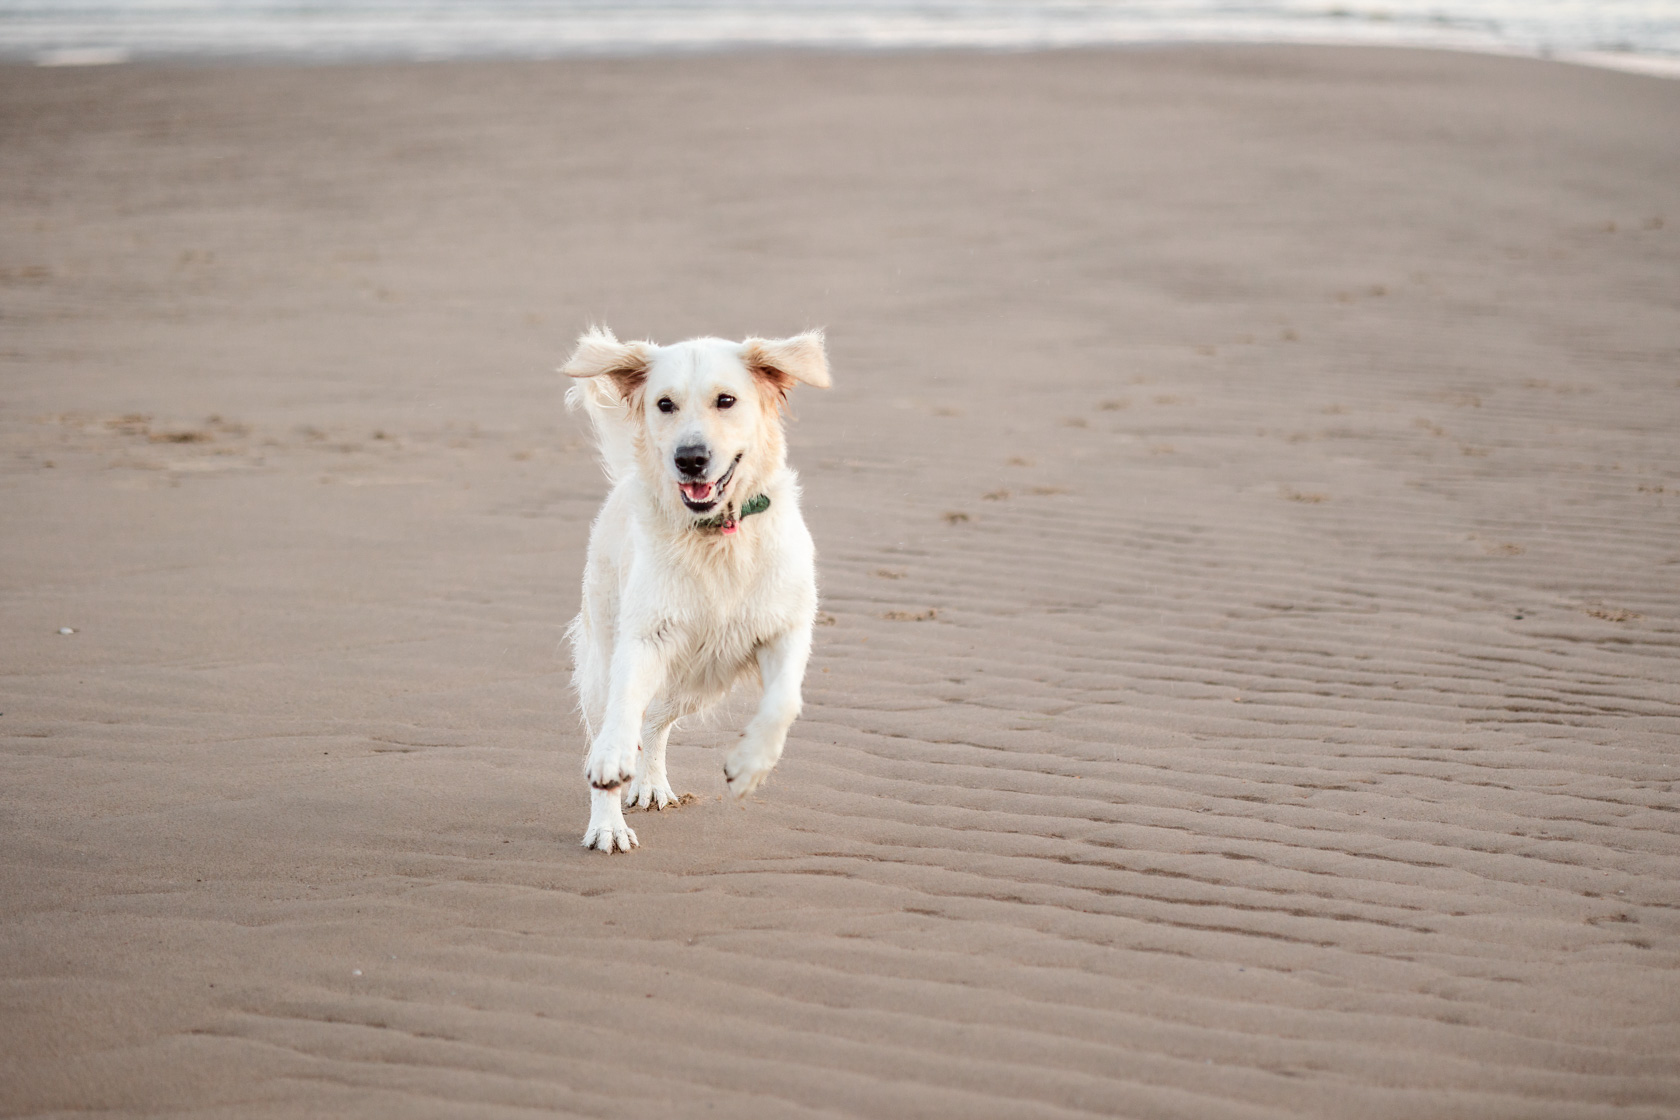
(1249, 526)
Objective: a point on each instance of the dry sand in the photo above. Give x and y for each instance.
(1282, 442)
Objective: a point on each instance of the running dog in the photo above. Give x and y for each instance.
(700, 569)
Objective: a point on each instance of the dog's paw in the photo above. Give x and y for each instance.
(607, 831)
(608, 766)
(745, 769)
(744, 783)
(650, 793)
(614, 837)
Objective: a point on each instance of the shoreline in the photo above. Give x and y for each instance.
(1630, 62)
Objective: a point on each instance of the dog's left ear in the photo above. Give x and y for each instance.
(779, 362)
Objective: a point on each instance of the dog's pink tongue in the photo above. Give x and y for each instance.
(697, 491)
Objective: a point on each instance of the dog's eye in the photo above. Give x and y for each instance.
(667, 405)
(725, 400)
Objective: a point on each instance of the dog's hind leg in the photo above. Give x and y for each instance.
(650, 789)
(607, 829)
(781, 664)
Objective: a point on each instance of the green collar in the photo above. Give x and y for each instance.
(729, 522)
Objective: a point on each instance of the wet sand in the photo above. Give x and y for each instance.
(1249, 517)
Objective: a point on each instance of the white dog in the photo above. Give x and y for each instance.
(700, 569)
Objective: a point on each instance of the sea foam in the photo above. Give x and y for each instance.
(1630, 34)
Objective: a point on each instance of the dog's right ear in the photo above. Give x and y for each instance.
(599, 354)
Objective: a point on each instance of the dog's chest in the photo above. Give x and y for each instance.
(715, 626)
(726, 623)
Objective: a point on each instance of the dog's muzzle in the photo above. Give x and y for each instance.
(702, 497)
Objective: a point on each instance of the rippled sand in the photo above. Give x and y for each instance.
(1250, 525)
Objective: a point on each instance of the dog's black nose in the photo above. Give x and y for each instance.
(691, 459)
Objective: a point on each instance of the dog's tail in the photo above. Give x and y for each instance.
(615, 436)
(600, 367)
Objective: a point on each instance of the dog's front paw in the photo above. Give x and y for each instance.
(650, 792)
(607, 831)
(746, 767)
(608, 765)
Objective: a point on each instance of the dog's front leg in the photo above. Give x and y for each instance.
(638, 670)
(781, 665)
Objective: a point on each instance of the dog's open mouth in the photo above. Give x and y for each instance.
(703, 497)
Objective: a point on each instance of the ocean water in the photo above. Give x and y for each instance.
(1629, 34)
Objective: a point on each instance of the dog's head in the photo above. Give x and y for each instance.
(707, 413)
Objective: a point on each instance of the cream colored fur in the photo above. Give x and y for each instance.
(676, 612)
